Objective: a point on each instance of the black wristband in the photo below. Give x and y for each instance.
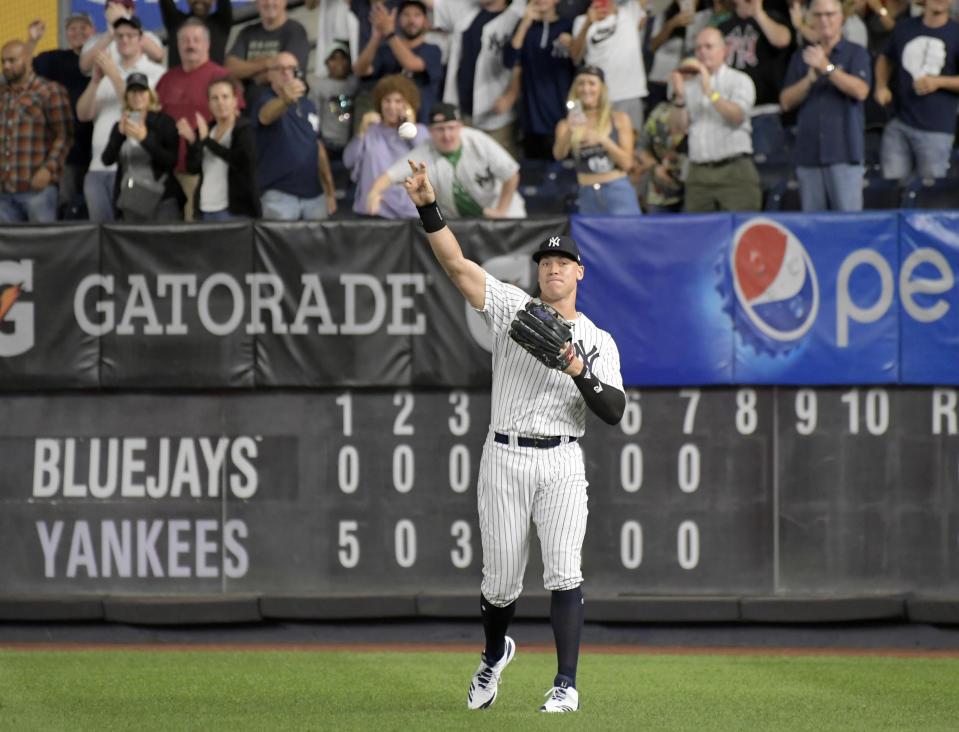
(389, 36)
(431, 216)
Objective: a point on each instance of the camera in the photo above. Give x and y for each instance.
(298, 74)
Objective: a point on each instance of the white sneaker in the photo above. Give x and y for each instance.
(561, 699)
(486, 679)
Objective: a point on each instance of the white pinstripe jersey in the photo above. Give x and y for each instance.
(529, 399)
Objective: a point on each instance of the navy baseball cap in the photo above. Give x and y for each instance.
(592, 71)
(443, 112)
(133, 21)
(558, 245)
(418, 3)
(136, 80)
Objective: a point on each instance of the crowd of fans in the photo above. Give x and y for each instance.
(659, 110)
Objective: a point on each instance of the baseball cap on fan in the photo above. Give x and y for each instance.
(136, 80)
(558, 245)
(337, 46)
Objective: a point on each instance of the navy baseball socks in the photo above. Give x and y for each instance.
(566, 614)
(499, 651)
(496, 621)
(566, 618)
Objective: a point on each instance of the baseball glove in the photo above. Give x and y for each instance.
(545, 334)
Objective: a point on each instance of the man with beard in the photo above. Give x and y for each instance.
(398, 45)
(37, 134)
(217, 22)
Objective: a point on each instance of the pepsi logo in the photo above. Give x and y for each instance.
(774, 280)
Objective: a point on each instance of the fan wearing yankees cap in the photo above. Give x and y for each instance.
(550, 363)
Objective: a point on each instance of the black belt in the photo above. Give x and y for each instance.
(542, 443)
(724, 161)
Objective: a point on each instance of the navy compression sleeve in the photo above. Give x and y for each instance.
(606, 402)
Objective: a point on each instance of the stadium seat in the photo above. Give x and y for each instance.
(772, 173)
(880, 193)
(873, 142)
(782, 196)
(532, 172)
(932, 193)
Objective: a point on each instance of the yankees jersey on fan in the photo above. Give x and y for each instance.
(530, 399)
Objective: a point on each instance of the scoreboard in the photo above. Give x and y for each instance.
(712, 491)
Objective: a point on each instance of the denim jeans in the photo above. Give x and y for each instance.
(902, 143)
(98, 191)
(287, 207)
(830, 187)
(37, 207)
(616, 198)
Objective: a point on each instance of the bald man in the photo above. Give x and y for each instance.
(711, 103)
(33, 146)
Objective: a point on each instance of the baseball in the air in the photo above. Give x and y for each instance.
(407, 130)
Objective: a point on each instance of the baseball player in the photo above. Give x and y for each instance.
(549, 364)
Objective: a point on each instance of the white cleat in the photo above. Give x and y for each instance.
(561, 699)
(485, 681)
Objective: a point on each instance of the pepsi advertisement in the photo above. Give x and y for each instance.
(866, 298)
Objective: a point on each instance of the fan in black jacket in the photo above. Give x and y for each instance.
(206, 145)
(144, 129)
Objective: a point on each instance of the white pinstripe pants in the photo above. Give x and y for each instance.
(520, 484)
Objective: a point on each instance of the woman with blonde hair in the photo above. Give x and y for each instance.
(600, 140)
(144, 144)
(377, 145)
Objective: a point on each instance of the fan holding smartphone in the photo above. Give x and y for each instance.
(144, 145)
(600, 140)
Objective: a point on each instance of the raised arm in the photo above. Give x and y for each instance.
(468, 276)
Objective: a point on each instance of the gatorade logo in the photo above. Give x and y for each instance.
(16, 315)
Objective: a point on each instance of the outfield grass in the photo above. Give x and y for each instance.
(270, 690)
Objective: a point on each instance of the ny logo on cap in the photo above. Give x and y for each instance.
(554, 241)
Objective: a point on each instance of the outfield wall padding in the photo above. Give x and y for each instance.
(50, 609)
(428, 606)
(338, 607)
(181, 610)
(935, 610)
(821, 610)
(663, 609)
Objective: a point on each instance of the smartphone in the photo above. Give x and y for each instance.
(134, 117)
(575, 109)
(687, 6)
(298, 74)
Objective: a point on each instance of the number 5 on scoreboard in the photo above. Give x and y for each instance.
(349, 554)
